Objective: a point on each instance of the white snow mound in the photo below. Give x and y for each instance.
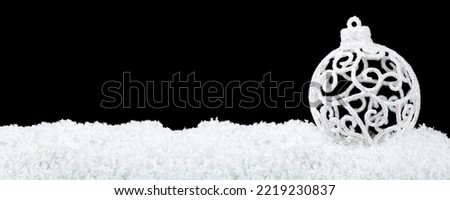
(214, 150)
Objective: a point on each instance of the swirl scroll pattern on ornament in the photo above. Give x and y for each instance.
(355, 100)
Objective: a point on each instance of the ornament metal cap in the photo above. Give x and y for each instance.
(355, 35)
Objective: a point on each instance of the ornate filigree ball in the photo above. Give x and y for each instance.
(363, 90)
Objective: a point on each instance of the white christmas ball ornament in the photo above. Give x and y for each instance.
(363, 90)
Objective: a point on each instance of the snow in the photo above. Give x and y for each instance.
(214, 150)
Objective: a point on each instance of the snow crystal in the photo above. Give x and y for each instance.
(214, 150)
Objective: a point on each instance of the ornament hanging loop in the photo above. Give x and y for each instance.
(353, 22)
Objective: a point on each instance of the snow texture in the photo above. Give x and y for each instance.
(214, 150)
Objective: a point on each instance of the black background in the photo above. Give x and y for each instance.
(55, 61)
